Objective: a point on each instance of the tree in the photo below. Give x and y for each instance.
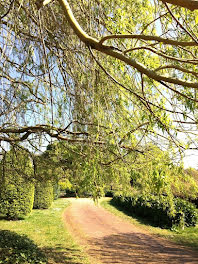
(88, 169)
(156, 173)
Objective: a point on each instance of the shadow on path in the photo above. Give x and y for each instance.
(112, 240)
(139, 248)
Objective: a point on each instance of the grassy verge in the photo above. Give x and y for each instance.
(187, 237)
(47, 230)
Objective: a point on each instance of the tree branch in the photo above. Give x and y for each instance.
(176, 67)
(8, 11)
(189, 4)
(109, 50)
(178, 23)
(163, 54)
(151, 38)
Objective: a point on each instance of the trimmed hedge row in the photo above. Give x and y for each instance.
(16, 185)
(44, 195)
(158, 210)
(19, 191)
(16, 200)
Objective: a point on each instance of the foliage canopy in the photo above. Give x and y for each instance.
(113, 75)
(142, 81)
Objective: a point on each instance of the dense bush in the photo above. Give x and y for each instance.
(44, 195)
(18, 249)
(16, 200)
(185, 212)
(16, 184)
(159, 211)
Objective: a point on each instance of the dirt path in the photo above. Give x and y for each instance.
(110, 239)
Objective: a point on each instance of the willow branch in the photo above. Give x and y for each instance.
(178, 23)
(50, 130)
(150, 38)
(172, 66)
(8, 11)
(109, 50)
(164, 55)
(37, 128)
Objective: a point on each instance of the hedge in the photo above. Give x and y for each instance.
(16, 200)
(158, 210)
(44, 194)
(16, 185)
(185, 211)
(18, 249)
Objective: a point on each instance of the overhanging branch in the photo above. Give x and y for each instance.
(151, 38)
(109, 50)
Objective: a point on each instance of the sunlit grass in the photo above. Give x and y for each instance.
(187, 237)
(47, 230)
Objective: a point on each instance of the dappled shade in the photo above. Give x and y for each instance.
(17, 248)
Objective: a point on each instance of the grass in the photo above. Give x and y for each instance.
(47, 230)
(187, 237)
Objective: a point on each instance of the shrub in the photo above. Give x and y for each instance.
(159, 211)
(16, 185)
(16, 201)
(44, 196)
(185, 211)
(18, 249)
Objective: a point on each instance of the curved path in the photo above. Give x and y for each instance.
(109, 239)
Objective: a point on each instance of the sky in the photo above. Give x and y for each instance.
(191, 159)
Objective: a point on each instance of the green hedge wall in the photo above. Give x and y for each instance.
(44, 195)
(158, 210)
(16, 200)
(16, 185)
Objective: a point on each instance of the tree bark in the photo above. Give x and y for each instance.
(189, 4)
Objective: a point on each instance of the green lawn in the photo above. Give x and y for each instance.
(187, 237)
(47, 230)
